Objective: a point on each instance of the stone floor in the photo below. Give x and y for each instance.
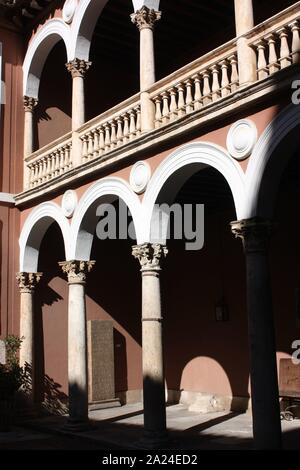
(121, 428)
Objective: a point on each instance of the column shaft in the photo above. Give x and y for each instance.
(78, 69)
(153, 364)
(77, 353)
(149, 257)
(263, 367)
(145, 20)
(77, 342)
(29, 123)
(78, 104)
(27, 328)
(27, 284)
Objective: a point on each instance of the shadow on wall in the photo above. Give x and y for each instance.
(51, 376)
(54, 109)
(54, 400)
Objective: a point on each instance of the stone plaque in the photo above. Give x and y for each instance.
(101, 360)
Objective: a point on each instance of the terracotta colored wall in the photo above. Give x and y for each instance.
(11, 170)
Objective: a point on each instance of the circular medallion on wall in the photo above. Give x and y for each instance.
(241, 138)
(69, 203)
(139, 176)
(69, 10)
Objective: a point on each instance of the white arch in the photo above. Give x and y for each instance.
(42, 43)
(83, 25)
(204, 153)
(82, 237)
(33, 231)
(275, 132)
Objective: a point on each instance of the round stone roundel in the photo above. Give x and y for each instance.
(69, 10)
(139, 176)
(69, 203)
(241, 139)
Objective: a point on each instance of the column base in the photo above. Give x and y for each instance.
(77, 425)
(154, 440)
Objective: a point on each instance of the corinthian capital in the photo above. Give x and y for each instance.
(145, 18)
(76, 270)
(254, 232)
(150, 255)
(28, 281)
(78, 67)
(29, 103)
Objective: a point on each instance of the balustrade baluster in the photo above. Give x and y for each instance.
(273, 64)
(285, 53)
(138, 120)
(198, 94)
(189, 97)
(225, 89)
(294, 26)
(181, 103)
(173, 104)
(206, 87)
(107, 137)
(132, 127)
(158, 115)
(165, 111)
(216, 92)
(234, 77)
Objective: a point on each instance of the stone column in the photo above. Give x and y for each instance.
(29, 106)
(27, 284)
(150, 257)
(77, 342)
(255, 234)
(244, 22)
(78, 69)
(145, 20)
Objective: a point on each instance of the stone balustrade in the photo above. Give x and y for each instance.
(276, 42)
(201, 83)
(111, 129)
(49, 162)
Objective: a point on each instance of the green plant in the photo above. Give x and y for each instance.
(11, 374)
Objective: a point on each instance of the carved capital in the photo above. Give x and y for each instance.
(28, 281)
(29, 103)
(145, 18)
(76, 270)
(78, 67)
(255, 233)
(150, 255)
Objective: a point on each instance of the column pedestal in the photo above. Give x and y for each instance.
(77, 343)
(263, 368)
(155, 433)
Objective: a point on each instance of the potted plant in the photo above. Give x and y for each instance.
(11, 379)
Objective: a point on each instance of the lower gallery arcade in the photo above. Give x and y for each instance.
(203, 327)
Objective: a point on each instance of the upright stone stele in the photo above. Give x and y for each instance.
(101, 371)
